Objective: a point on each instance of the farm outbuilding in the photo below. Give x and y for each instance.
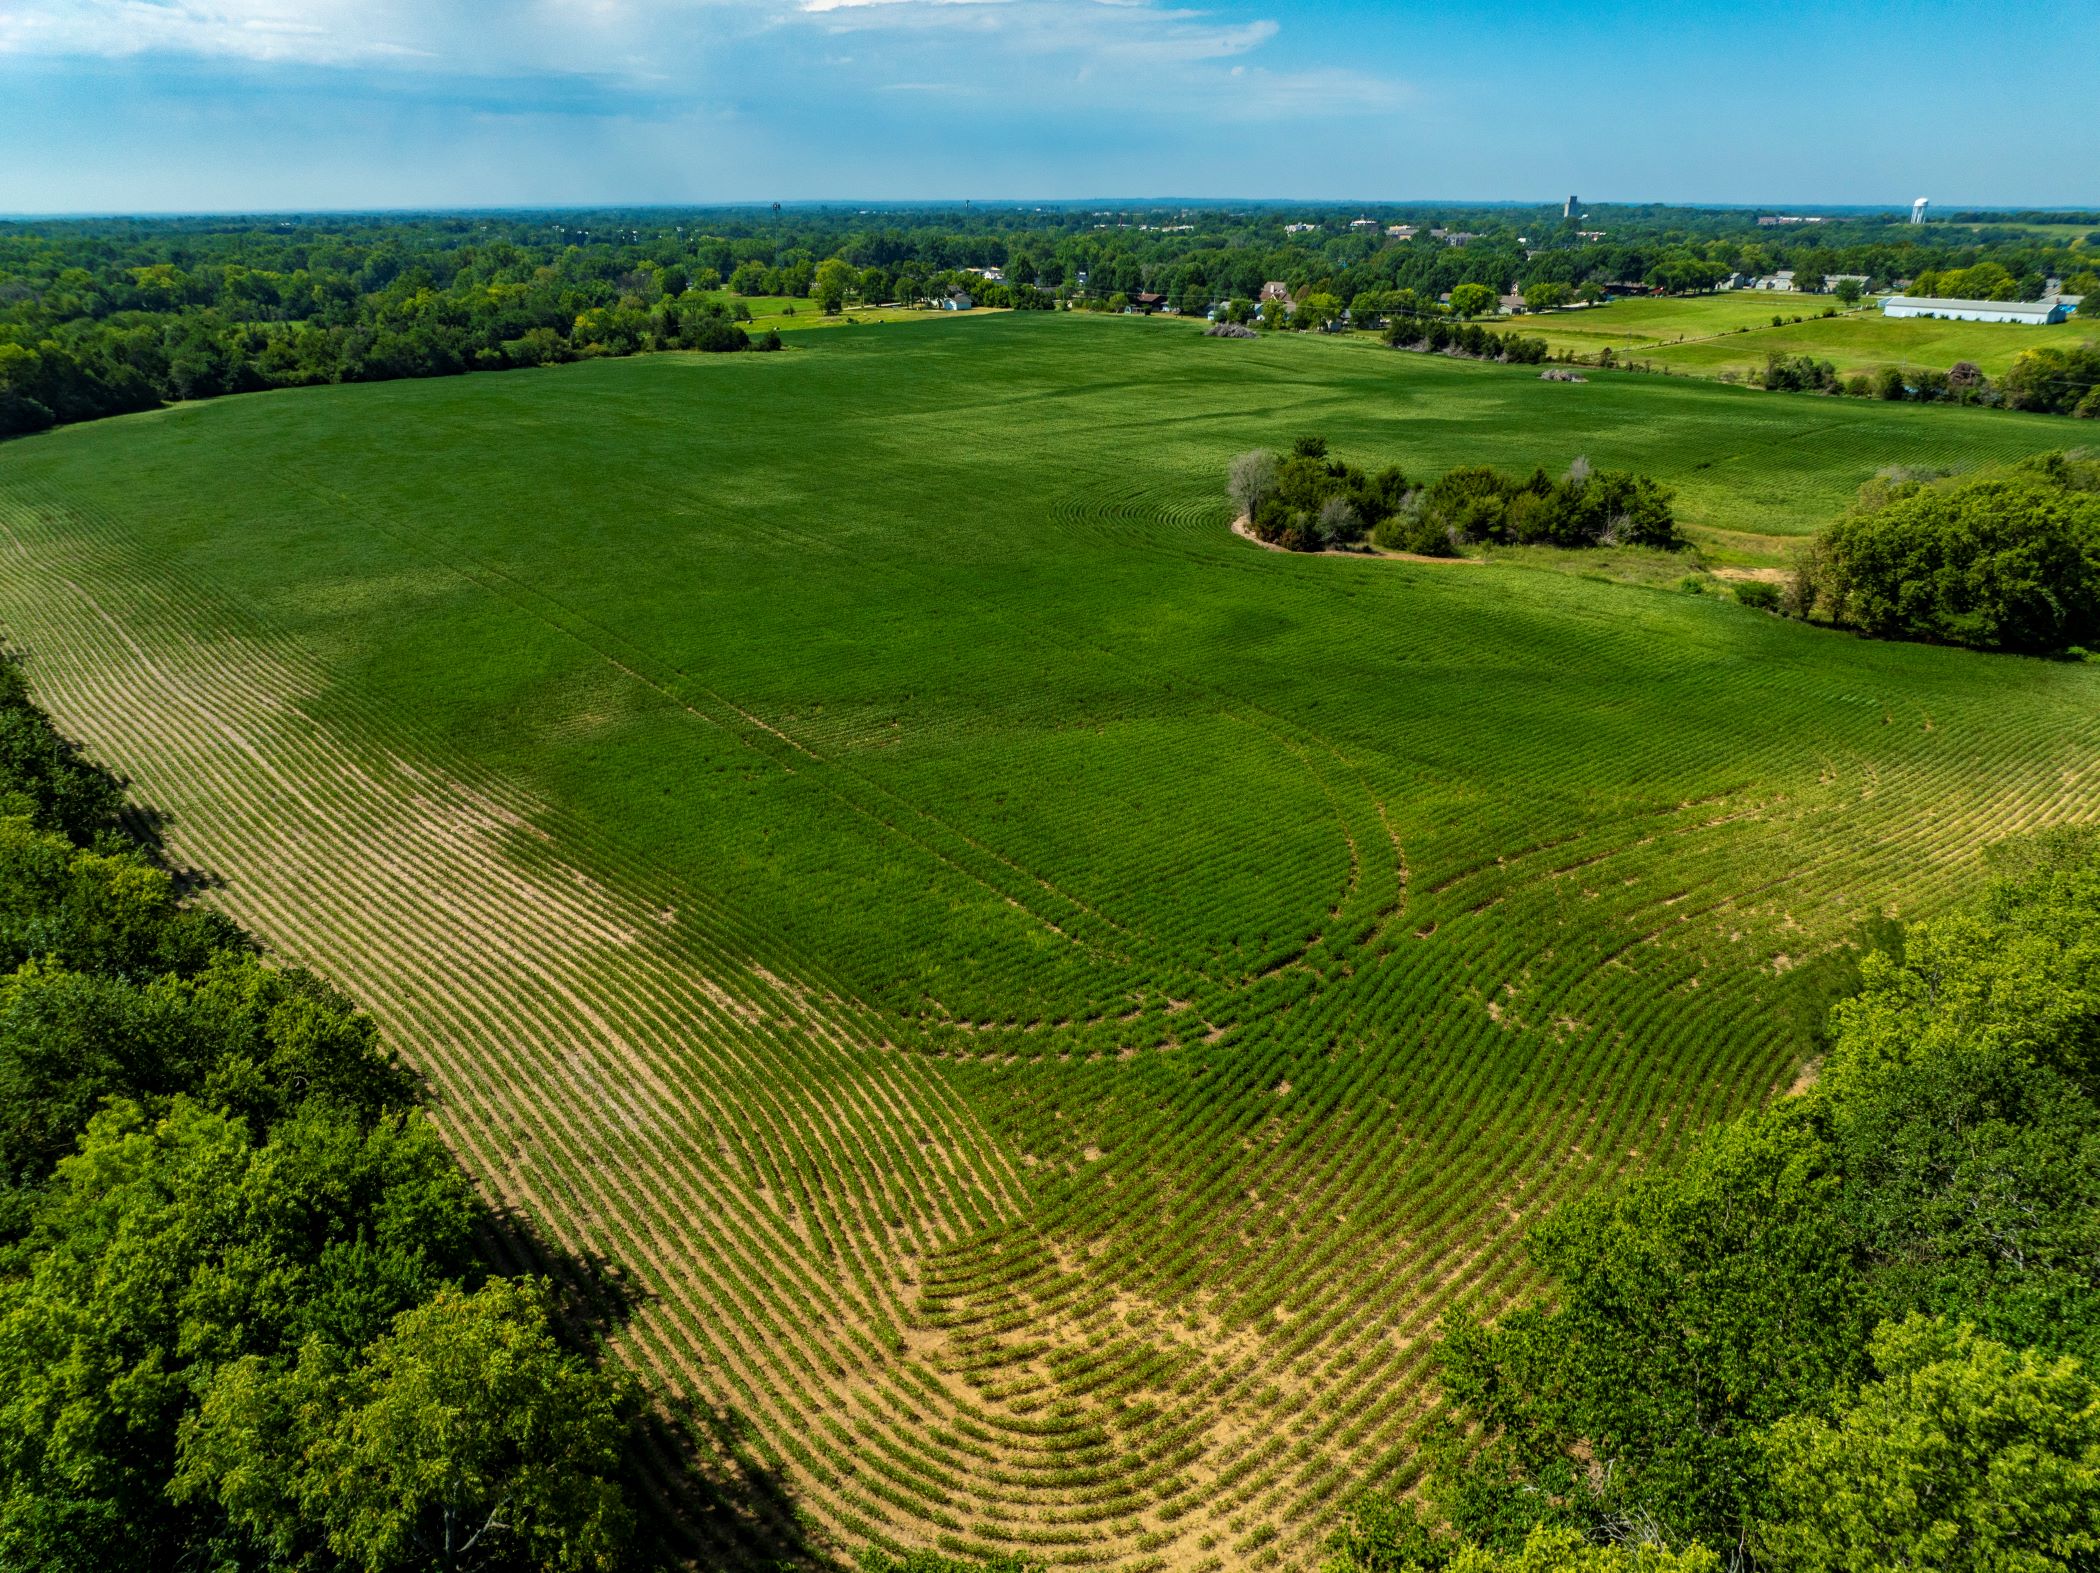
(2032, 311)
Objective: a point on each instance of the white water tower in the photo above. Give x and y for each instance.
(1917, 210)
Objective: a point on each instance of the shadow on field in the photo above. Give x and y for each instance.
(147, 828)
(593, 1295)
(713, 1502)
(696, 1477)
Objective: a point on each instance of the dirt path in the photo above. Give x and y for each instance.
(1760, 575)
(1245, 532)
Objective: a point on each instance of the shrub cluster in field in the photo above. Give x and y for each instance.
(1856, 1329)
(243, 1320)
(1585, 507)
(1306, 500)
(2005, 559)
(2049, 381)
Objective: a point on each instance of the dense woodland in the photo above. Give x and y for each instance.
(1856, 1330)
(246, 1316)
(100, 316)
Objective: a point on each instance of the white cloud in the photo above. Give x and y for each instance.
(473, 37)
(1136, 58)
(1132, 31)
(595, 36)
(320, 32)
(862, 5)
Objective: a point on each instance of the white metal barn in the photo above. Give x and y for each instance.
(2034, 311)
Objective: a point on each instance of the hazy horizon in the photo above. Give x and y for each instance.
(877, 204)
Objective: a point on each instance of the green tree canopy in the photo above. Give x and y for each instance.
(168, 1247)
(836, 281)
(464, 1438)
(2006, 560)
(1963, 1457)
(1472, 300)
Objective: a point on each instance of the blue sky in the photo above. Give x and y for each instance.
(158, 105)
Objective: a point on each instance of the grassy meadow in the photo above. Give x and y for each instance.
(791, 313)
(1038, 1004)
(1730, 334)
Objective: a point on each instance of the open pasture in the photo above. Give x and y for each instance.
(1664, 319)
(1732, 333)
(1038, 1005)
(790, 313)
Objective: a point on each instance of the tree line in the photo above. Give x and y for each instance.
(1308, 500)
(1432, 335)
(84, 369)
(104, 316)
(1854, 1330)
(2052, 380)
(246, 1318)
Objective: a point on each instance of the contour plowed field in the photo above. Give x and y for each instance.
(1020, 1010)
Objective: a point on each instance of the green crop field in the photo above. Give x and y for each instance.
(1731, 334)
(1040, 1003)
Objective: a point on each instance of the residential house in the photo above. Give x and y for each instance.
(1276, 289)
